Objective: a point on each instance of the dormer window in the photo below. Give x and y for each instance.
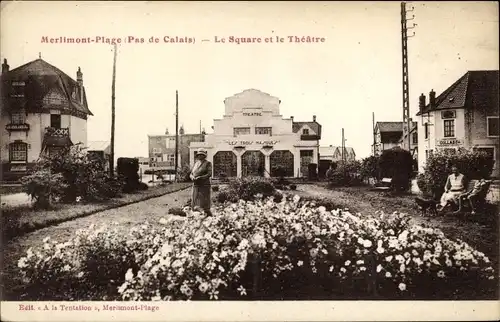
(17, 89)
(305, 132)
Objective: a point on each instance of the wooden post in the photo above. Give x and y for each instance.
(112, 148)
(176, 134)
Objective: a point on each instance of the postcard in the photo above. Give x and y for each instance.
(249, 161)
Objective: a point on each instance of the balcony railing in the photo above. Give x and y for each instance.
(57, 132)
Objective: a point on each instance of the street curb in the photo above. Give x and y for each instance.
(10, 234)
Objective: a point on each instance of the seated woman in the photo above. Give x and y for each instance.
(453, 189)
(472, 195)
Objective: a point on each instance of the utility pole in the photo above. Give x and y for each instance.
(406, 85)
(176, 134)
(374, 134)
(112, 148)
(343, 146)
(200, 128)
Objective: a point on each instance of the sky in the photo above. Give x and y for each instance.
(354, 73)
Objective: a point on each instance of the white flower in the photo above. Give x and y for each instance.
(367, 244)
(331, 268)
(403, 235)
(242, 290)
(80, 275)
(203, 287)
(300, 263)
(402, 268)
(380, 250)
(441, 274)
(360, 240)
(342, 269)
(402, 286)
(360, 262)
(379, 268)
(22, 263)
(129, 276)
(388, 258)
(163, 221)
(347, 263)
(388, 275)
(296, 198)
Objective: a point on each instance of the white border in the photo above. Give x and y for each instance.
(262, 311)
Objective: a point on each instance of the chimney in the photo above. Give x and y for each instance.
(5, 66)
(203, 132)
(166, 131)
(421, 102)
(432, 98)
(79, 80)
(314, 118)
(291, 118)
(181, 130)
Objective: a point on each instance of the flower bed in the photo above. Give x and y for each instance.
(260, 250)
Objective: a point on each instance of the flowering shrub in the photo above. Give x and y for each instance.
(472, 164)
(83, 176)
(43, 187)
(345, 174)
(246, 189)
(289, 249)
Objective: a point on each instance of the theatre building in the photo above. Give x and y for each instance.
(253, 139)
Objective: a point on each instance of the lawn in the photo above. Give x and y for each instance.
(480, 231)
(21, 219)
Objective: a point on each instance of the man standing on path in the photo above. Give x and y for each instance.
(201, 174)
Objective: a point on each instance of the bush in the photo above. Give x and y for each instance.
(215, 188)
(288, 250)
(83, 176)
(247, 188)
(293, 187)
(143, 186)
(345, 174)
(472, 164)
(43, 187)
(397, 164)
(183, 173)
(370, 167)
(128, 168)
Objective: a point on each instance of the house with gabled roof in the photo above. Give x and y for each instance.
(465, 115)
(43, 110)
(334, 153)
(254, 139)
(388, 135)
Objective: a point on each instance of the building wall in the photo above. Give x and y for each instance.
(469, 133)
(164, 146)
(78, 129)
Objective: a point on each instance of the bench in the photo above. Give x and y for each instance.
(480, 200)
(384, 184)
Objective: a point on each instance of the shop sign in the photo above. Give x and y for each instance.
(252, 114)
(243, 143)
(450, 142)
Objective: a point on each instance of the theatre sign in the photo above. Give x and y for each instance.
(244, 143)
